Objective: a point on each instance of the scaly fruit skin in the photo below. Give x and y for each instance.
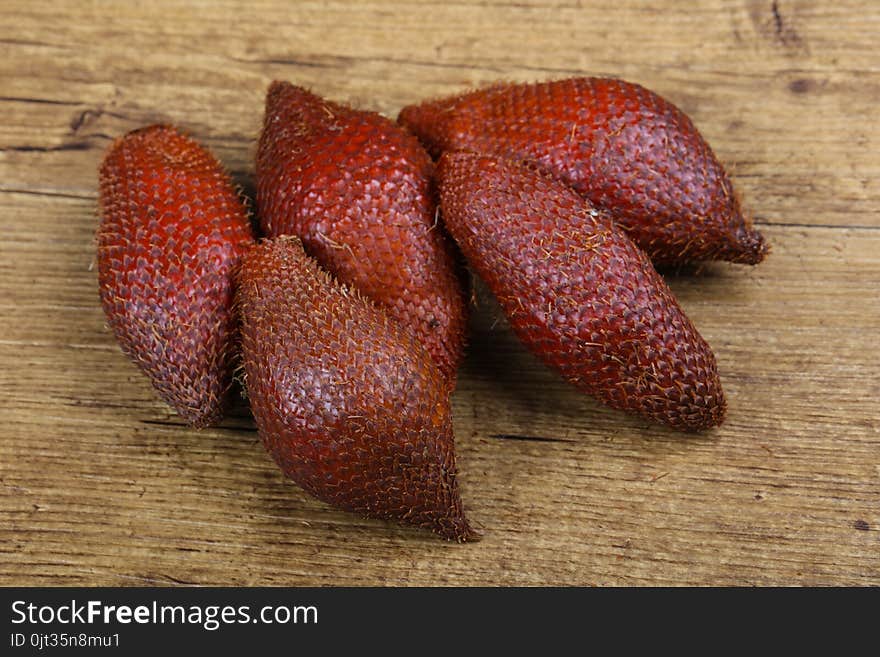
(355, 188)
(348, 403)
(619, 145)
(173, 230)
(578, 292)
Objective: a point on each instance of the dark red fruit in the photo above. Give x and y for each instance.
(617, 144)
(578, 292)
(173, 229)
(356, 189)
(346, 400)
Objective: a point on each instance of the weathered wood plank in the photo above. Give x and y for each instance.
(101, 484)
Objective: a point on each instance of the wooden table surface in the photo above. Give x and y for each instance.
(101, 484)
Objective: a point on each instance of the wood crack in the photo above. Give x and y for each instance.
(39, 101)
(537, 439)
(73, 146)
(42, 192)
(787, 224)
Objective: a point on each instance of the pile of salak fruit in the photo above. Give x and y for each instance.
(345, 320)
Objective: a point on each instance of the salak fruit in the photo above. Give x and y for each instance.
(355, 188)
(578, 292)
(172, 231)
(346, 400)
(619, 145)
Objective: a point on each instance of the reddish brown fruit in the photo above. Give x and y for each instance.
(348, 403)
(617, 144)
(172, 231)
(578, 292)
(356, 189)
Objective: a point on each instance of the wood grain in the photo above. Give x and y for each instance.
(101, 484)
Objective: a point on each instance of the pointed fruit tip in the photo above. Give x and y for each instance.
(709, 418)
(754, 248)
(459, 530)
(276, 86)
